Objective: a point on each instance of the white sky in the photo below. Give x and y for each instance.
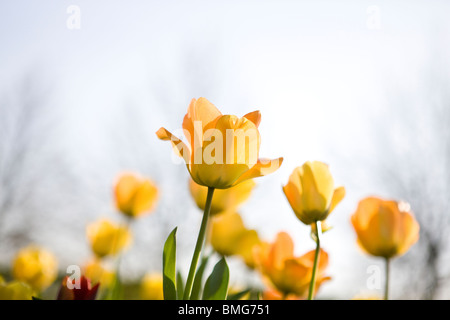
(313, 68)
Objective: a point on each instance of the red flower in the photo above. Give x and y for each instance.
(84, 292)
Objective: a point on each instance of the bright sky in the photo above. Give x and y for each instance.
(317, 70)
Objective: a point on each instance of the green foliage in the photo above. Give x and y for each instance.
(169, 267)
(197, 286)
(216, 286)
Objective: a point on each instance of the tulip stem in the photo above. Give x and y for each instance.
(316, 260)
(198, 245)
(386, 285)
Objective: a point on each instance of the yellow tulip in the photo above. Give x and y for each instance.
(152, 287)
(224, 199)
(107, 237)
(230, 237)
(15, 290)
(289, 274)
(36, 267)
(134, 195)
(222, 150)
(97, 273)
(311, 193)
(385, 228)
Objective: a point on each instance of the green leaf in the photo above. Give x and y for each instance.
(238, 295)
(180, 286)
(216, 286)
(169, 267)
(197, 285)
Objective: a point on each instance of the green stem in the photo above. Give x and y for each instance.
(316, 259)
(198, 245)
(386, 285)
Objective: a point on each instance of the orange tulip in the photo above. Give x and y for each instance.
(134, 195)
(224, 199)
(311, 193)
(385, 228)
(222, 150)
(273, 294)
(289, 274)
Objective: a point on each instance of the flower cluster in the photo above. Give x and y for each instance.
(221, 154)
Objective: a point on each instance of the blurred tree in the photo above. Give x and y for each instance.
(412, 147)
(25, 126)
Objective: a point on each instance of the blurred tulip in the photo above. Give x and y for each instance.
(384, 228)
(36, 267)
(224, 156)
(134, 195)
(224, 199)
(96, 272)
(230, 237)
(272, 294)
(311, 193)
(15, 290)
(152, 287)
(366, 297)
(84, 292)
(107, 237)
(289, 274)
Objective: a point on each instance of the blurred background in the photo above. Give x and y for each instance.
(360, 85)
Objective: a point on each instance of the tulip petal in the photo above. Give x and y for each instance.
(293, 192)
(124, 191)
(281, 250)
(262, 168)
(200, 110)
(179, 146)
(145, 198)
(338, 195)
(410, 232)
(318, 184)
(254, 117)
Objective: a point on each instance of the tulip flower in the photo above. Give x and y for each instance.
(288, 274)
(229, 237)
(71, 289)
(152, 287)
(224, 199)
(36, 267)
(220, 152)
(385, 228)
(107, 238)
(134, 195)
(311, 192)
(15, 290)
(312, 195)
